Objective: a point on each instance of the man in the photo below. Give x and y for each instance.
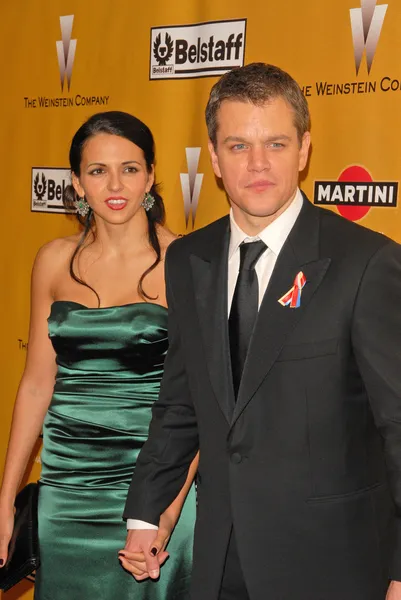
(284, 369)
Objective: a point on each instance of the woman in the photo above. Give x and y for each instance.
(93, 371)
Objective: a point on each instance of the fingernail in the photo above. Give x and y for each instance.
(153, 551)
(154, 573)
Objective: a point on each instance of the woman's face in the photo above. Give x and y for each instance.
(114, 178)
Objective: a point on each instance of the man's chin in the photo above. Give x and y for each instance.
(256, 212)
(260, 207)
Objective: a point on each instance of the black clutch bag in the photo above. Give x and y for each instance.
(23, 550)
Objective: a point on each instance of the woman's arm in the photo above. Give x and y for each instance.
(34, 394)
(169, 518)
(135, 562)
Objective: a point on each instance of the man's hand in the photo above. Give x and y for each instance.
(394, 591)
(144, 552)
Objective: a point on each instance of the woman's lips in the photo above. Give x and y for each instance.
(116, 203)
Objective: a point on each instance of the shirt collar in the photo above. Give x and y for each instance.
(274, 235)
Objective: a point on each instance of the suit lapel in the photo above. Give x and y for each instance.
(275, 322)
(210, 274)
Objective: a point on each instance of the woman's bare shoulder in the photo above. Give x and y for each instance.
(56, 251)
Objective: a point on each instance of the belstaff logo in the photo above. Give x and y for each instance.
(197, 50)
(355, 193)
(191, 184)
(48, 185)
(66, 48)
(39, 186)
(366, 25)
(163, 51)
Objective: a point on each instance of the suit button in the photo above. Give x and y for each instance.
(236, 458)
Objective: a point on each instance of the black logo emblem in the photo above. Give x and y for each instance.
(40, 188)
(163, 52)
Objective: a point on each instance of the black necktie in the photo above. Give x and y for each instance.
(244, 308)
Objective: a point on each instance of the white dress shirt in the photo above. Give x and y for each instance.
(274, 236)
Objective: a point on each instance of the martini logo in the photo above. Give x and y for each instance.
(366, 25)
(197, 50)
(355, 193)
(48, 185)
(66, 48)
(191, 184)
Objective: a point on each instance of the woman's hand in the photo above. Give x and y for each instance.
(6, 529)
(137, 563)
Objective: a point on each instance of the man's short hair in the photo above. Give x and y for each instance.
(257, 83)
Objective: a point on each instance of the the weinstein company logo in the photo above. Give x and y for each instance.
(66, 48)
(191, 184)
(366, 25)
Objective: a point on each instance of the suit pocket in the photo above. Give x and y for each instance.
(343, 497)
(309, 350)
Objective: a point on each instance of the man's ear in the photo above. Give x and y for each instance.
(214, 159)
(304, 151)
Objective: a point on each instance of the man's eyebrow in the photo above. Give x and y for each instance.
(270, 138)
(233, 138)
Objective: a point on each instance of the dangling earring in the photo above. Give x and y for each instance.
(148, 201)
(82, 206)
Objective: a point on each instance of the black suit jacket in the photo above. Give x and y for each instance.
(307, 463)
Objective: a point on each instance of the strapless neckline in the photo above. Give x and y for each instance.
(131, 337)
(130, 304)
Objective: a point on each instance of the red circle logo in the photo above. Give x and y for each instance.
(355, 175)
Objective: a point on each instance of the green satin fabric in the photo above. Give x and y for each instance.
(110, 363)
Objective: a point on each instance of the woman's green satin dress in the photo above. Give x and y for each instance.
(110, 364)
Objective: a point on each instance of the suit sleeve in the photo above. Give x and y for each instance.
(164, 460)
(376, 337)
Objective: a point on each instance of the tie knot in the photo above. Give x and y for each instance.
(250, 254)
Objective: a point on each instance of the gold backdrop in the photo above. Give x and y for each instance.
(158, 61)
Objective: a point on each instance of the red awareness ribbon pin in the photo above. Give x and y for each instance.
(293, 297)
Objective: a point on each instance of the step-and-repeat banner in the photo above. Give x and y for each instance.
(62, 61)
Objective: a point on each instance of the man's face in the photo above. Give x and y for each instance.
(258, 155)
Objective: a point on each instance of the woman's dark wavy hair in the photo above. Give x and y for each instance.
(129, 127)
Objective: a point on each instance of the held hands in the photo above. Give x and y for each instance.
(394, 591)
(144, 551)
